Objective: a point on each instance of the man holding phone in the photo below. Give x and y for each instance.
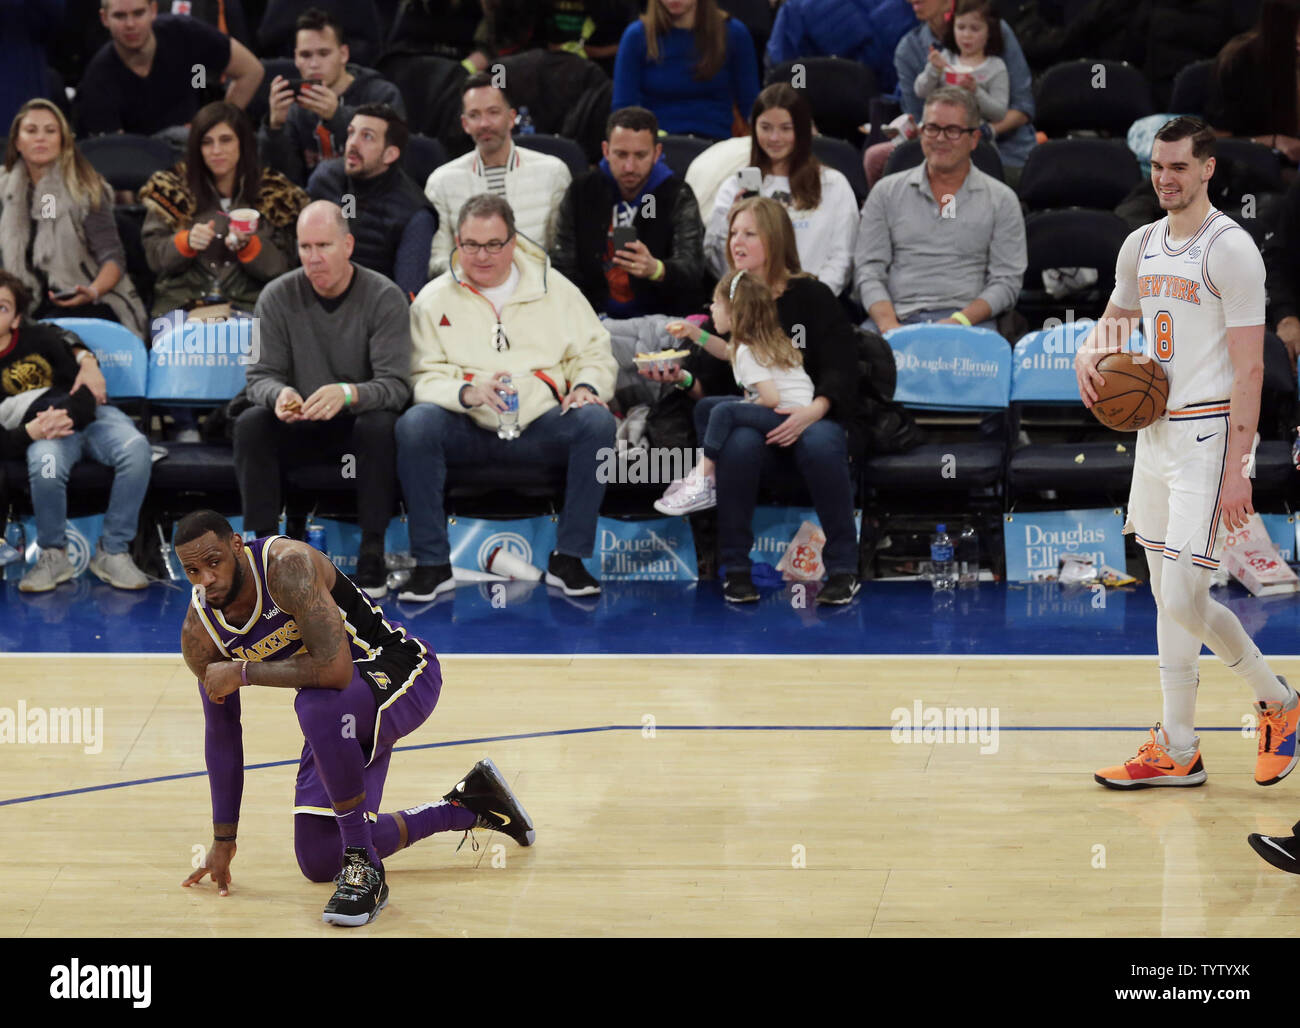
(629, 233)
(308, 118)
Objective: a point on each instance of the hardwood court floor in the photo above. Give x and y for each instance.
(689, 832)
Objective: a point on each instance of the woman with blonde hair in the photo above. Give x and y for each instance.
(813, 441)
(57, 232)
(689, 62)
(819, 200)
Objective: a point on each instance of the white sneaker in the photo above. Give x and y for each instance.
(695, 494)
(118, 570)
(51, 569)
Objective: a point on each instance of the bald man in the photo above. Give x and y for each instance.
(332, 373)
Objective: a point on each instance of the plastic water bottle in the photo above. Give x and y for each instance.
(525, 122)
(968, 556)
(508, 426)
(14, 545)
(943, 569)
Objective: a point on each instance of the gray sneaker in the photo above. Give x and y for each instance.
(52, 567)
(118, 570)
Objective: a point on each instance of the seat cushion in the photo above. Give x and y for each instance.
(975, 465)
(1056, 466)
(208, 467)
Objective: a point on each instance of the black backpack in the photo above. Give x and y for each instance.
(887, 427)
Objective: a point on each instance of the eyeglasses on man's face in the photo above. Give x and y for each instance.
(932, 131)
(492, 246)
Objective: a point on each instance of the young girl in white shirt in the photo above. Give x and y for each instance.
(767, 366)
(969, 59)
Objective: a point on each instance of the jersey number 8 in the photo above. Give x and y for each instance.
(1164, 335)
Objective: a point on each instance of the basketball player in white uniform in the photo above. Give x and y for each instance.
(1196, 280)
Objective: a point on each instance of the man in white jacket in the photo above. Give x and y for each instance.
(501, 311)
(533, 182)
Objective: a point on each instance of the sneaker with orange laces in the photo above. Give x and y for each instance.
(1153, 766)
(1277, 739)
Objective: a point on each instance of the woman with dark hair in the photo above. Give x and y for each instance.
(690, 63)
(818, 199)
(1254, 89)
(57, 232)
(814, 441)
(188, 237)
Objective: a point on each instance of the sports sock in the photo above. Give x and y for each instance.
(1255, 670)
(1185, 590)
(1179, 655)
(355, 830)
(421, 822)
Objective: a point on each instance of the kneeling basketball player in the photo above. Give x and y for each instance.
(275, 612)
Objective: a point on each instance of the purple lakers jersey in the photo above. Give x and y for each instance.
(271, 634)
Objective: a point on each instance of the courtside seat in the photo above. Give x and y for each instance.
(1071, 453)
(1090, 96)
(950, 372)
(122, 359)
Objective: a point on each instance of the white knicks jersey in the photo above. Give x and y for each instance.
(1190, 292)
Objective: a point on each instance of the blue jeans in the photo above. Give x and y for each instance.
(725, 415)
(927, 317)
(110, 439)
(819, 456)
(429, 438)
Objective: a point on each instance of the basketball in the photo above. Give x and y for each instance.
(1134, 393)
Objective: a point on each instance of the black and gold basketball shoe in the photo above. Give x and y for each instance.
(484, 792)
(360, 891)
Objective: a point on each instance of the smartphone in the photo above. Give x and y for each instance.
(624, 236)
(751, 179)
(297, 84)
(65, 294)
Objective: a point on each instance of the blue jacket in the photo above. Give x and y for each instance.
(861, 30)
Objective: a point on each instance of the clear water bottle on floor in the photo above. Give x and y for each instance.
(508, 426)
(943, 568)
(968, 556)
(13, 547)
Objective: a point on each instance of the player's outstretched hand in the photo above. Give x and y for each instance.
(218, 865)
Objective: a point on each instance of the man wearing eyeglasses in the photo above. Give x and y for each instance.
(941, 242)
(501, 310)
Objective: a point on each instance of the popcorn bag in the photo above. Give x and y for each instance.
(1253, 560)
(802, 560)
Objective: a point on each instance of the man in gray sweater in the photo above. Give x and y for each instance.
(332, 375)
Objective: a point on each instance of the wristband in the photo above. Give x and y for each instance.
(223, 838)
(94, 294)
(83, 354)
(959, 316)
(658, 272)
(348, 398)
(703, 336)
(243, 672)
(684, 386)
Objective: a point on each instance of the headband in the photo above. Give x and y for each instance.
(735, 282)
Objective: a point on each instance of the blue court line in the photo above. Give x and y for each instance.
(607, 728)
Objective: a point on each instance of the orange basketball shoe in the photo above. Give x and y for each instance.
(1153, 766)
(1277, 741)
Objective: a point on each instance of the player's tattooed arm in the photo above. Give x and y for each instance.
(197, 646)
(298, 579)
